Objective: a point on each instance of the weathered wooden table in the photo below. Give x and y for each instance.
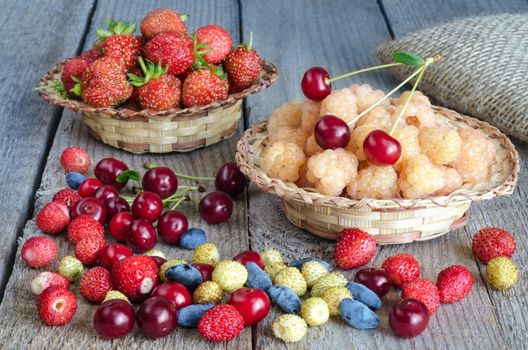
(340, 35)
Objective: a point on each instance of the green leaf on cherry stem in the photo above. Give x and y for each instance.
(127, 175)
(407, 58)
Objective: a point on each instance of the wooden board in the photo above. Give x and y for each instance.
(36, 39)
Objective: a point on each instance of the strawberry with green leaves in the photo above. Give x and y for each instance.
(175, 50)
(216, 40)
(203, 86)
(157, 90)
(72, 71)
(243, 65)
(119, 42)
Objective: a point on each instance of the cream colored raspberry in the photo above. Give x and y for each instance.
(420, 177)
(332, 170)
(289, 328)
(374, 182)
(285, 134)
(287, 115)
(312, 271)
(270, 256)
(476, 155)
(417, 97)
(408, 137)
(311, 147)
(341, 103)
(303, 181)
(283, 160)
(417, 114)
(441, 145)
(366, 96)
(314, 311)
(380, 116)
(274, 268)
(453, 181)
(358, 135)
(293, 278)
(333, 296)
(310, 115)
(229, 275)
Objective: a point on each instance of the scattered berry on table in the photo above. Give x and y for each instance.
(230, 179)
(106, 192)
(270, 256)
(115, 206)
(119, 224)
(87, 250)
(92, 207)
(68, 197)
(364, 295)
(243, 65)
(175, 50)
(298, 263)
(84, 226)
(229, 275)
(147, 206)
(501, 273)
(185, 274)
(215, 208)
(314, 311)
(312, 271)
(166, 265)
(216, 40)
(491, 242)
(88, 186)
(249, 256)
(160, 180)
(192, 238)
(354, 247)
(357, 314)
(206, 270)
(402, 268)
(257, 278)
(75, 159)
(454, 283)
(114, 319)
(113, 253)
(108, 169)
(141, 236)
(189, 316)
(95, 283)
(221, 323)
(39, 251)
(156, 252)
(291, 277)
(43, 280)
(274, 268)
(330, 280)
(285, 298)
(74, 179)
(162, 20)
(57, 306)
(333, 297)
(208, 292)
(423, 290)
(206, 253)
(175, 292)
(252, 303)
(156, 317)
(135, 276)
(171, 226)
(71, 268)
(115, 294)
(53, 218)
(408, 318)
(289, 328)
(377, 280)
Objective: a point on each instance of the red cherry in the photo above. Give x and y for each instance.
(158, 260)
(174, 292)
(105, 192)
(205, 270)
(115, 205)
(148, 206)
(141, 236)
(160, 180)
(253, 304)
(156, 317)
(331, 132)
(88, 187)
(229, 179)
(171, 226)
(314, 85)
(114, 318)
(90, 206)
(113, 253)
(377, 280)
(119, 225)
(107, 169)
(249, 256)
(381, 149)
(216, 207)
(408, 318)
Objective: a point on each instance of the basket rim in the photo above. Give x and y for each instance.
(291, 192)
(269, 74)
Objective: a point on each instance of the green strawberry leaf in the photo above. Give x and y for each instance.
(128, 175)
(407, 58)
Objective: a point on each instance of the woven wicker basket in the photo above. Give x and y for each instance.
(391, 221)
(179, 130)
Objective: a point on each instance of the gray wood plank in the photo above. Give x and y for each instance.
(20, 326)
(33, 39)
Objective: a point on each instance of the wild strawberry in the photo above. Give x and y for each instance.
(492, 242)
(402, 268)
(175, 50)
(84, 226)
(39, 251)
(157, 90)
(73, 70)
(454, 283)
(354, 248)
(202, 87)
(53, 218)
(56, 306)
(46, 279)
(243, 65)
(424, 291)
(216, 42)
(104, 83)
(70, 268)
(68, 197)
(94, 53)
(221, 323)
(95, 283)
(162, 20)
(75, 159)
(135, 276)
(119, 43)
(87, 249)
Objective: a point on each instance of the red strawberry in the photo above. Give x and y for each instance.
(84, 226)
(95, 283)
(87, 249)
(221, 323)
(94, 53)
(119, 43)
(56, 306)
(454, 283)
(68, 197)
(46, 279)
(175, 50)
(53, 218)
(403, 268)
(424, 291)
(492, 242)
(39, 251)
(216, 41)
(157, 90)
(354, 248)
(104, 83)
(135, 276)
(203, 87)
(243, 65)
(75, 159)
(73, 69)
(162, 20)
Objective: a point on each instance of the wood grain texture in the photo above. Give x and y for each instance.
(20, 326)
(33, 40)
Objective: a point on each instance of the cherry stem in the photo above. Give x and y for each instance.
(368, 69)
(183, 176)
(178, 202)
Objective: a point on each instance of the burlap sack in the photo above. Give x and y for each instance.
(484, 71)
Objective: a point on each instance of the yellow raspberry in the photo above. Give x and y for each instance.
(357, 137)
(417, 114)
(420, 177)
(115, 294)
(155, 252)
(332, 170)
(314, 311)
(408, 136)
(366, 96)
(270, 256)
(310, 115)
(325, 282)
(333, 296)
(417, 97)
(206, 253)
(303, 180)
(166, 265)
(274, 268)
(311, 147)
(341, 103)
(208, 292)
(293, 278)
(502, 273)
(441, 145)
(288, 135)
(374, 182)
(283, 161)
(287, 115)
(312, 271)
(289, 328)
(453, 181)
(229, 275)
(379, 116)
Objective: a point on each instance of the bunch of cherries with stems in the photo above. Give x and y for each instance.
(331, 132)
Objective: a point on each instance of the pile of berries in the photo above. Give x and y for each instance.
(163, 68)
